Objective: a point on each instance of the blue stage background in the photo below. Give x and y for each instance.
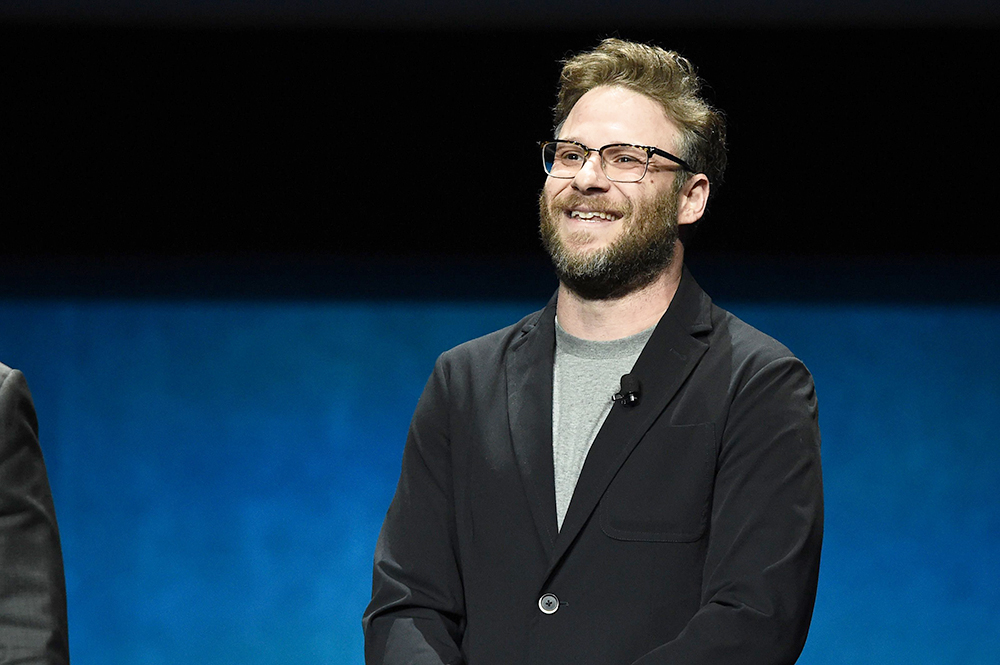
(221, 467)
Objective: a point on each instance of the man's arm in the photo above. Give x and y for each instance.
(32, 589)
(762, 565)
(416, 615)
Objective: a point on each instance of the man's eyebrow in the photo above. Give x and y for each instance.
(576, 140)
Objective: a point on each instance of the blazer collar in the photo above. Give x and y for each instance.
(529, 414)
(670, 355)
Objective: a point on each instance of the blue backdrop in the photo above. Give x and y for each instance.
(221, 468)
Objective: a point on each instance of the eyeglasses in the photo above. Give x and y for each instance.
(621, 162)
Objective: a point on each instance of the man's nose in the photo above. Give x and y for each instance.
(591, 176)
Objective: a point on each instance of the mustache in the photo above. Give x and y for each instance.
(574, 200)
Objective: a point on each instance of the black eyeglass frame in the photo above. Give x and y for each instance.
(650, 151)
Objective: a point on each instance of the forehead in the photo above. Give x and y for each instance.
(617, 115)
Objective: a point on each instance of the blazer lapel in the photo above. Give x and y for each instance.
(664, 364)
(529, 409)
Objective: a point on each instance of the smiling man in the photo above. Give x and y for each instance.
(632, 474)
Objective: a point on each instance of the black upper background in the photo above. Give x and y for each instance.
(329, 144)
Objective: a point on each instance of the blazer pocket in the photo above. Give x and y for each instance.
(663, 492)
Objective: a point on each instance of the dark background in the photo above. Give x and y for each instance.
(231, 250)
(301, 146)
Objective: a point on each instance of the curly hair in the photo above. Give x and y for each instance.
(667, 78)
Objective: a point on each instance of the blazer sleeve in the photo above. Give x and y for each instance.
(33, 626)
(416, 615)
(762, 565)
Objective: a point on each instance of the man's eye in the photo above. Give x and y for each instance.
(626, 158)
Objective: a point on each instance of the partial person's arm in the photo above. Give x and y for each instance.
(762, 567)
(417, 611)
(32, 589)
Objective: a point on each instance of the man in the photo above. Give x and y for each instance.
(553, 511)
(32, 591)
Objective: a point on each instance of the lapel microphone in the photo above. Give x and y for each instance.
(630, 391)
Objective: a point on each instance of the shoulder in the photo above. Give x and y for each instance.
(490, 349)
(16, 406)
(726, 334)
(749, 352)
(18, 422)
(12, 383)
(474, 372)
(749, 342)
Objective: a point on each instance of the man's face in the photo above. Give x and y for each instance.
(606, 238)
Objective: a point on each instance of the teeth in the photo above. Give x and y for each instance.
(591, 215)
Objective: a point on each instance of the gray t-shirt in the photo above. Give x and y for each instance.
(585, 377)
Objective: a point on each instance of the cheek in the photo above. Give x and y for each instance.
(553, 186)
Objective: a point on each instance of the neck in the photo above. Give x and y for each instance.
(613, 319)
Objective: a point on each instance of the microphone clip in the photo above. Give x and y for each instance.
(630, 391)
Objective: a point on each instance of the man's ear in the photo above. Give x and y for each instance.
(693, 199)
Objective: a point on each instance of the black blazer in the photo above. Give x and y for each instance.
(693, 535)
(32, 590)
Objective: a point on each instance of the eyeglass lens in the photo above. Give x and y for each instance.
(623, 163)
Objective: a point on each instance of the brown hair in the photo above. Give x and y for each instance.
(665, 77)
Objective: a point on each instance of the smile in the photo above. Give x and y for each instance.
(590, 216)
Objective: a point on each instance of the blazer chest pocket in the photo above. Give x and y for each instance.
(663, 492)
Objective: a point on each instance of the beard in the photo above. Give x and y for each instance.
(632, 261)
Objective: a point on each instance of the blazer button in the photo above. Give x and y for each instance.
(548, 603)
